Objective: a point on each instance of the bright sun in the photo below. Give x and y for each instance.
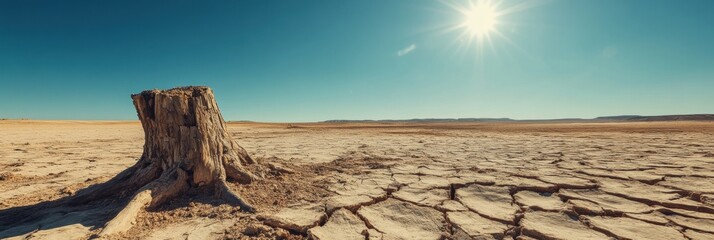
(479, 22)
(479, 19)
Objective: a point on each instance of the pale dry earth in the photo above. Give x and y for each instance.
(651, 180)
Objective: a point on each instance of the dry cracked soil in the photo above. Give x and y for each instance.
(652, 180)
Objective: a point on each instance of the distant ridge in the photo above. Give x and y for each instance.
(688, 117)
(620, 118)
(429, 120)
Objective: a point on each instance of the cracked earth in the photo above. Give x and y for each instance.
(395, 181)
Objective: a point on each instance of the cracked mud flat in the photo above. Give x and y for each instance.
(391, 181)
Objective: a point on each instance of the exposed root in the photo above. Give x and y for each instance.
(125, 219)
(170, 184)
(224, 192)
(235, 171)
(243, 156)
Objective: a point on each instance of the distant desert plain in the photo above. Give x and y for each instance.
(387, 180)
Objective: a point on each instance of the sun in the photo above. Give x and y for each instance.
(479, 23)
(479, 19)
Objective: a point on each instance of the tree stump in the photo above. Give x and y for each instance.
(186, 146)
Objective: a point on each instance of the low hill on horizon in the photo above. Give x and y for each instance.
(618, 118)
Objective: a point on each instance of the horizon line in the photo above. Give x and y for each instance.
(704, 116)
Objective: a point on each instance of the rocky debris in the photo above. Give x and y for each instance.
(628, 228)
(539, 201)
(255, 229)
(297, 218)
(351, 203)
(402, 220)
(556, 226)
(570, 182)
(424, 197)
(492, 202)
(342, 225)
(476, 226)
(609, 204)
(279, 168)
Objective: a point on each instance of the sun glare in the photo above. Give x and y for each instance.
(478, 22)
(480, 18)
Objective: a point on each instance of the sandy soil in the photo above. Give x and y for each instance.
(390, 181)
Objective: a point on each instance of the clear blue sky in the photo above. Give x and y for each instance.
(318, 60)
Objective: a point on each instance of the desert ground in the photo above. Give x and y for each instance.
(634, 180)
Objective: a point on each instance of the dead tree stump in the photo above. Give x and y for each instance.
(186, 146)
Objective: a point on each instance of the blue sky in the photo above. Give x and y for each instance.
(318, 60)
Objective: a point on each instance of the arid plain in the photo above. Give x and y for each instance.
(624, 180)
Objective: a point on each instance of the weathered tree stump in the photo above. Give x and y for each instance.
(186, 145)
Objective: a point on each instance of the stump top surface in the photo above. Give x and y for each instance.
(176, 90)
